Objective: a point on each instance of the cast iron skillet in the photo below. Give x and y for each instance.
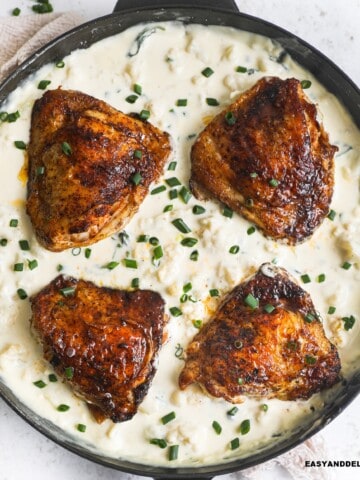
(128, 13)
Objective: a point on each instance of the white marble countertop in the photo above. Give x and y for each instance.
(333, 29)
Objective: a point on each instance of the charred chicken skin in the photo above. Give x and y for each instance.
(268, 158)
(103, 342)
(90, 167)
(264, 341)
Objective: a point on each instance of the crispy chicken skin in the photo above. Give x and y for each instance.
(81, 196)
(247, 351)
(268, 158)
(103, 342)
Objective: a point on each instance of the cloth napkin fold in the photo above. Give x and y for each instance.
(20, 37)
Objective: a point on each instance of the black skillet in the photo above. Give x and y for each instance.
(126, 14)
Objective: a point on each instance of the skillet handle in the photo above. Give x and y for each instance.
(229, 5)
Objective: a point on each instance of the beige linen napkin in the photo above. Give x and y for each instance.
(22, 36)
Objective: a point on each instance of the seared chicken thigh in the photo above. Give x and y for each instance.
(268, 158)
(103, 342)
(265, 340)
(90, 167)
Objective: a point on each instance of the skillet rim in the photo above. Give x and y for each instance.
(352, 387)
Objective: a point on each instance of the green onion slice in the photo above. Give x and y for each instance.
(175, 311)
(130, 263)
(251, 301)
(181, 102)
(20, 144)
(43, 84)
(235, 443)
(207, 72)
(245, 427)
(136, 178)
(173, 452)
(157, 190)
(168, 418)
(198, 210)
(63, 408)
(212, 102)
(189, 241)
(81, 427)
(65, 147)
(160, 442)
(67, 291)
(39, 384)
(217, 427)
(181, 225)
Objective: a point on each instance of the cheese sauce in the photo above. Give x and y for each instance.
(167, 61)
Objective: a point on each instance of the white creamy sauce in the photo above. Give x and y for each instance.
(168, 67)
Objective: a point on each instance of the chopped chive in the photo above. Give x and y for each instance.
(217, 427)
(309, 317)
(168, 418)
(12, 117)
(181, 225)
(321, 278)
(172, 166)
(158, 252)
(60, 64)
(253, 175)
(187, 287)
(331, 215)
(175, 311)
(3, 242)
(207, 72)
(131, 98)
(160, 442)
(168, 208)
(310, 360)
(4, 116)
(135, 283)
(81, 427)
(241, 69)
(67, 291)
(305, 84)
(235, 443)
(157, 190)
(143, 238)
(65, 147)
(189, 241)
(212, 102)
(136, 178)
(138, 154)
(69, 372)
(230, 118)
(173, 452)
(43, 84)
(305, 278)
(214, 292)
(264, 407)
(245, 427)
(14, 222)
(32, 264)
(185, 194)
(346, 265)
(251, 301)
(233, 411)
(16, 12)
(20, 144)
(40, 170)
(273, 182)
(87, 252)
(39, 384)
(63, 408)
(234, 249)
(269, 308)
(42, 7)
(173, 194)
(21, 293)
(18, 267)
(240, 381)
(197, 323)
(154, 241)
(183, 298)
(24, 245)
(251, 230)
(144, 114)
(59, 268)
(331, 310)
(173, 182)
(52, 378)
(198, 210)
(227, 212)
(349, 322)
(181, 102)
(130, 263)
(194, 256)
(137, 88)
(111, 265)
